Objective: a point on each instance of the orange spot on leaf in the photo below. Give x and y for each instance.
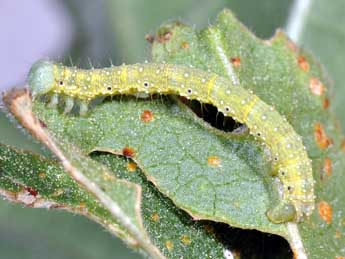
(164, 37)
(147, 116)
(295, 255)
(340, 257)
(155, 217)
(128, 152)
(169, 245)
(82, 204)
(321, 137)
(32, 191)
(325, 211)
(185, 239)
(131, 166)
(327, 166)
(42, 175)
(42, 123)
(185, 45)
(214, 161)
(303, 63)
(149, 38)
(337, 234)
(236, 61)
(325, 103)
(316, 86)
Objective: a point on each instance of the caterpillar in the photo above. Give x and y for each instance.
(290, 162)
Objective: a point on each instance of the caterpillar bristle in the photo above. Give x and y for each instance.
(54, 101)
(83, 108)
(69, 103)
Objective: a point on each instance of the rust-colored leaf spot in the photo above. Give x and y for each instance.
(321, 137)
(147, 116)
(155, 217)
(236, 61)
(186, 240)
(31, 190)
(149, 38)
(82, 205)
(337, 234)
(185, 45)
(42, 175)
(128, 152)
(214, 161)
(42, 123)
(303, 63)
(169, 245)
(327, 166)
(340, 257)
(326, 103)
(131, 166)
(164, 37)
(325, 211)
(316, 86)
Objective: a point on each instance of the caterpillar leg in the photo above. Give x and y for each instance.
(54, 101)
(282, 213)
(69, 102)
(83, 107)
(240, 130)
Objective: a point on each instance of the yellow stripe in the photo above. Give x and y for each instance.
(124, 74)
(166, 73)
(210, 85)
(248, 108)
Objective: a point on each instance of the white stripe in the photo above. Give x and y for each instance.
(296, 21)
(225, 60)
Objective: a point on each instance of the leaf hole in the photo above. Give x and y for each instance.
(211, 115)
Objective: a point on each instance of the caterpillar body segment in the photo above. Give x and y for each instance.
(290, 160)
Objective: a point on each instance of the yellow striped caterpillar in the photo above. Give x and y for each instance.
(290, 160)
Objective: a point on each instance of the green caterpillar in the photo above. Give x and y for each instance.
(290, 160)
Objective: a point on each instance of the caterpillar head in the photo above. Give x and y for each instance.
(41, 77)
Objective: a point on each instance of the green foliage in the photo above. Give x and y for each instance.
(324, 34)
(273, 72)
(191, 166)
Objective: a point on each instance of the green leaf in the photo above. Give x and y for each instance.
(173, 150)
(177, 151)
(322, 31)
(172, 230)
(282, 75)
(40, 183)
(121, 198)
